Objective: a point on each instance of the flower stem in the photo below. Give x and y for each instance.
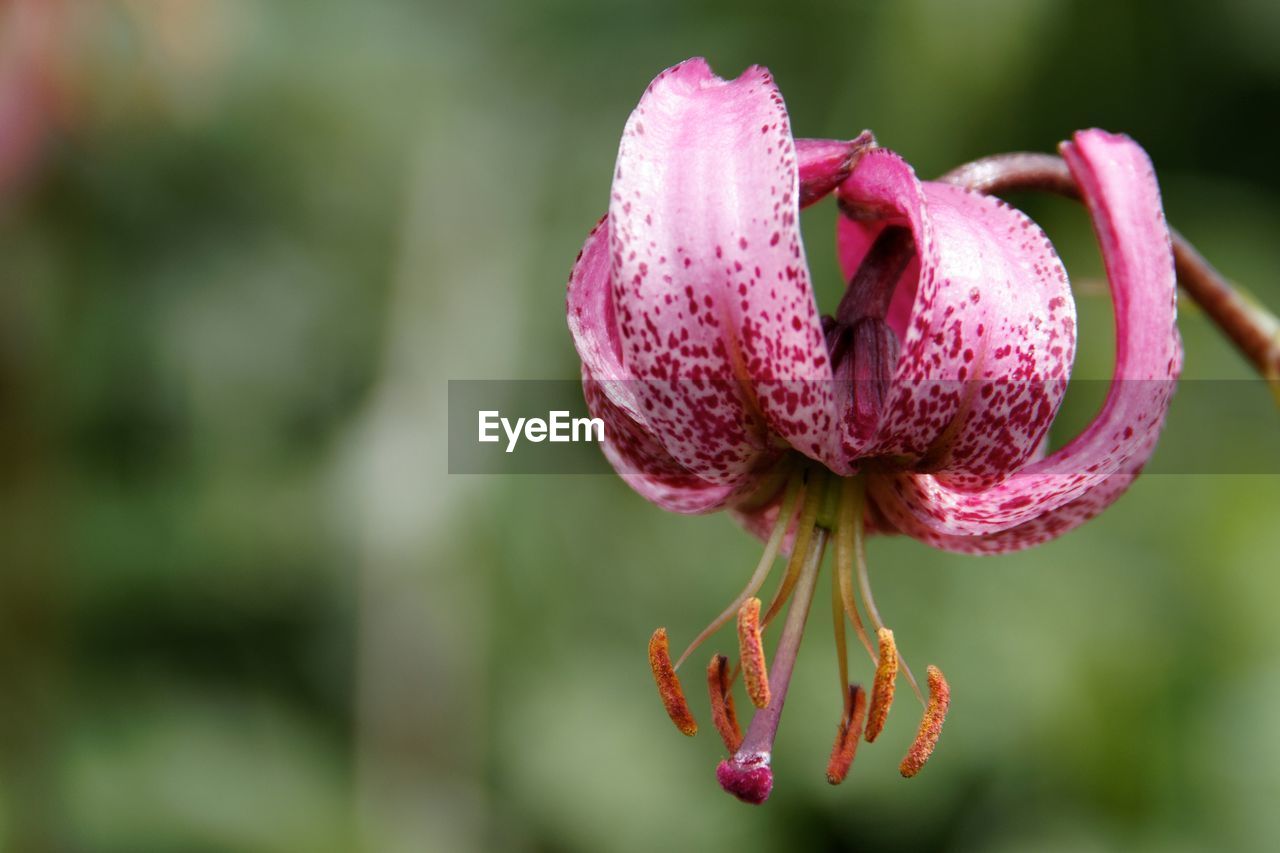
(764, 725)
(1254, 330)
(747, 774)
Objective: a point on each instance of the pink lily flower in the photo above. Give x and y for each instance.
(920, 407)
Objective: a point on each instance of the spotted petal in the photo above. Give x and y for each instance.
(984, 317)
(629, 444)
(715, 314)
(644, 464)
(1118, 185)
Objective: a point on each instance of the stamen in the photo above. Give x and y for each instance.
(864, 583)
(930, 725)
(813, 499)
(850, 496)
(664, 675)
(722, 712)
(883, 688)
(762, 568)
(747, 775)
(837, 620)
(848, 735)
(751, 652)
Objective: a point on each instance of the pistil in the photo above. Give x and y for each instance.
(747, 774)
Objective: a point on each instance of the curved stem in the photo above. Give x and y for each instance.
(1254, 330)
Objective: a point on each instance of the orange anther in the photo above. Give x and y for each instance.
(931, 726)
(664, 675)
(751, 651)
(722, 713)
(883, 687)
(848, 735)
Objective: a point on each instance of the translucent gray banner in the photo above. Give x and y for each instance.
(544, 426)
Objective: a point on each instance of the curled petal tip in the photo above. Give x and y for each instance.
(825, 163)
(750, 779)
(1095, 133)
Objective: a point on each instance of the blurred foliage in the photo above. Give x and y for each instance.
(243, 606)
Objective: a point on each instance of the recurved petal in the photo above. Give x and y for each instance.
(593, 323)
(1119, 187)
(983, 316)
(629, 444)
(589, 307)
(715, 312)
(644, 464)
(1040, 529)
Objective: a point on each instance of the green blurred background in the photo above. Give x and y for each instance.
(243, 606)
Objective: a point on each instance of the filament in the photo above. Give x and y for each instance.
(799, 549)
(850, 494)
(864, 583)
(763, 568)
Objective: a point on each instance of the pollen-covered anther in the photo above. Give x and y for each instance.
(664, 675)
(722, 712)
(931, 726)
(848, 735)
(751, 651)
(883, 688)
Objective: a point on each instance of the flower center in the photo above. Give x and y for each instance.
(816, 508)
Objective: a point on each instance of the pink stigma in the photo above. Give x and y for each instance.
(750, 779)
